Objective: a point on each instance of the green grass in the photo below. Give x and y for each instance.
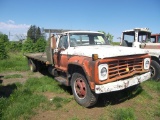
(22, 102)
(60, 101)
(13, 76)
(25, 99)
(123, 114)
(115, 43)
(153, 85)
(43, 84)
(16, 62)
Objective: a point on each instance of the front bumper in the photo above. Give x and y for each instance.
(122, 84)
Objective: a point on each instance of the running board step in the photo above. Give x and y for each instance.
(62, 80)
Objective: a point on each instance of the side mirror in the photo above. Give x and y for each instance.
(53, 42)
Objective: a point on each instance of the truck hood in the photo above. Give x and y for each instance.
(153, 52)
(104, 51)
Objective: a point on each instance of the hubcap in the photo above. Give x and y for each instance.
(152, 69)
(80, 87)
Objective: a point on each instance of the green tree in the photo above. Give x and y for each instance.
(28, 46)
(34, 33)
(14, 46)
(3, 52)
(40, 45)
(4, 39)
(108, 36)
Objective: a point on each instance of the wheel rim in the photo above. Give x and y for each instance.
(80, 88)
(152, 70)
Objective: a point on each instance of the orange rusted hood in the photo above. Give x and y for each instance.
(104, 51)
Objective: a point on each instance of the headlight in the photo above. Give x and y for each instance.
(103, 71)
(146, 63)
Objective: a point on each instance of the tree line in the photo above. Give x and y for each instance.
(35, 42)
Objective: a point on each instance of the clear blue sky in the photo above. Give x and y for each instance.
(113, 16)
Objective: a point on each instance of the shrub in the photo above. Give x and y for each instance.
(14, 46)
(28, 46)
(40, 45)
(3, 52)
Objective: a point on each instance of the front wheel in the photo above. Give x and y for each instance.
(81, 91)
(155, 71)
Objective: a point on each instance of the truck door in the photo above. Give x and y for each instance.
(127, 39)
(60, 54)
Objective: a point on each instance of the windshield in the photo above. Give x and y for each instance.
(87, 39)
(142, 36)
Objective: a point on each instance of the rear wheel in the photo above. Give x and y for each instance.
(32, 65)
(155, 71)
(81, 91)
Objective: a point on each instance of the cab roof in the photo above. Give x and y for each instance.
(138, 29)
(83, 32)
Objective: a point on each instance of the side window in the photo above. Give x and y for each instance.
(129, 38)
(153, 39)
(63, 43)
(158, 39)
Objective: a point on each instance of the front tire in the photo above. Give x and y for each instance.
(81, 91)
(155, 71)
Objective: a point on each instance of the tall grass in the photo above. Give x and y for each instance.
(15, 62)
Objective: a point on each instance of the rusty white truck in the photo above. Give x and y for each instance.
(141, 38)
(85, 61)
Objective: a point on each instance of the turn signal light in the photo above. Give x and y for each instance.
(94, 57)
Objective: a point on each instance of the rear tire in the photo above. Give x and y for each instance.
(155, 71)
(81, 91)
(32, 65)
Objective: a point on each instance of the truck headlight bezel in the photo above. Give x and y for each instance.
(103, 72)
(146, 63)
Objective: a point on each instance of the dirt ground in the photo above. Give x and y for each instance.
(72, 111)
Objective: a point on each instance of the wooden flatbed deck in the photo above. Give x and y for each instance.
(37, 56)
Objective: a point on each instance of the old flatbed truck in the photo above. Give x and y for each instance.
(85, 61)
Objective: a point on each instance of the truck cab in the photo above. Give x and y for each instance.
(140, 38)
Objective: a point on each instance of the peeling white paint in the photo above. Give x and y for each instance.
(153, 52)
(122, 84)
(103, 51)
